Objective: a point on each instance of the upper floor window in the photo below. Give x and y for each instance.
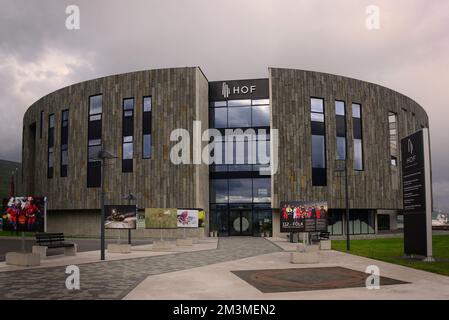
(64, 142)
(94, 133)
(146, 127)
(340, 119)
(128, 135)
(318, 142)
(51, 142)
(393, 128)
(357, 135)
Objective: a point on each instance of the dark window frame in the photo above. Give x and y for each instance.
(64, 146)
(337, 135)
(393, 158)
(41, 124)
(319, 175)
(97, 163)
(128, 116)
(144, 126)
(361, 135)
(51, 145)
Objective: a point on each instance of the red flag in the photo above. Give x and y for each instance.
(11, 187)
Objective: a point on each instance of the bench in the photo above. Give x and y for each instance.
(47, 241)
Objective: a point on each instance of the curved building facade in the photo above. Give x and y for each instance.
(320, 121)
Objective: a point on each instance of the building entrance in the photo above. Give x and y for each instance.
(240, 222)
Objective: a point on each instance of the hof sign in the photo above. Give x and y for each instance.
(417, 194)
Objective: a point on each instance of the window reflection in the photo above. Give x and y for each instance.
(262, 190)
(318, 152)
(239, 117)
(240, 190)
(261, 116)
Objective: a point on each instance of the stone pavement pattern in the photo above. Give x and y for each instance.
(114, 279)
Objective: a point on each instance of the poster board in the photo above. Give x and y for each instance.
(303, 216)
(24, 214)
(120, 216)
(187, 218)
(157, 218)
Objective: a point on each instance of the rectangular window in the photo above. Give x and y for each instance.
(94, 141)
(393, 127)
(146, 128)
(64, 142)
(51, 143)
(357, 135)
(340, 120)
(41, 124)
(128, 134)
(318, 142)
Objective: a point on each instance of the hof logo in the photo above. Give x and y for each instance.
(410, 150)
(410, 146)
(226, 90)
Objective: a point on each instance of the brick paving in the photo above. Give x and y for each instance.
(115, 279)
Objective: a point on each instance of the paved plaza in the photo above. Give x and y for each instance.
(206, 271)
(115, 279)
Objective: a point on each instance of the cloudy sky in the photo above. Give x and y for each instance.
(228, 39)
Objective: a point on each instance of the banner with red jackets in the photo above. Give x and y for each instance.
(303, 216)
(23, 214)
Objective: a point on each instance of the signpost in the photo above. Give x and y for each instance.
(417, 194)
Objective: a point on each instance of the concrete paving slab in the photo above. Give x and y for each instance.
(218, 282)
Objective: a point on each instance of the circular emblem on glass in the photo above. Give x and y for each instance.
(244, 226)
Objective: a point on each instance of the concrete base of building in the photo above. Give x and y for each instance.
(304, 257)
(23, 259)
(119, 248)
(161, 245)
(86, 223)
(325, 245)
(184, 242)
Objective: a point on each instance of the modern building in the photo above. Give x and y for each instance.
(316, 123)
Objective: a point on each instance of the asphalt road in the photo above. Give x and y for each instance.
(11, 245)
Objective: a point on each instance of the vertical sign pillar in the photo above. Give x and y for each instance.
(417, 194)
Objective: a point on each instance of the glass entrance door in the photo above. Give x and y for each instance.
(240, 222)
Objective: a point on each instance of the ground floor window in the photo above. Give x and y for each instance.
(360, 221)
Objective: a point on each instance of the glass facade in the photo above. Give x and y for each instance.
(240, 198)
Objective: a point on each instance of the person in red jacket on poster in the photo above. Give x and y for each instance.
(298, 213)
(31, 211)
(13, 211)
(284, 213)
(318, 213)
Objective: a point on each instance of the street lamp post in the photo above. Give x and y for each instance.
(130, 197)
(103, 155)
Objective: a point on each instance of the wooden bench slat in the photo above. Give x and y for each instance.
(52, 240)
